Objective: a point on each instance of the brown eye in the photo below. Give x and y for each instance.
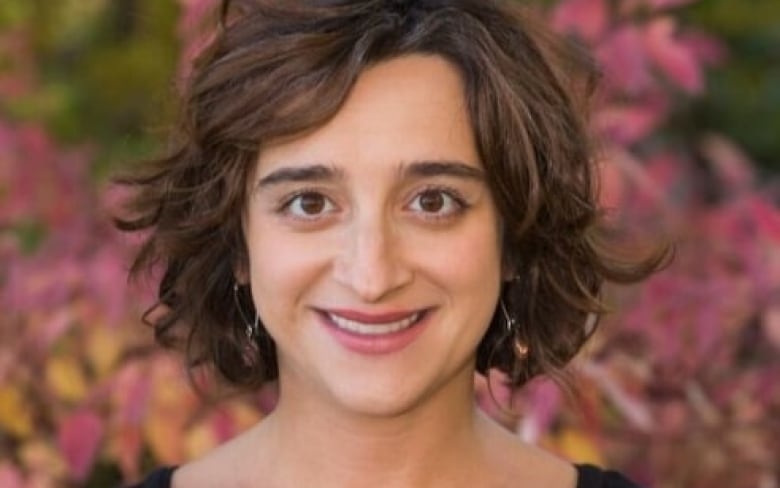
(437, 203)
(309, 204)
(431, 201)
(312, 203)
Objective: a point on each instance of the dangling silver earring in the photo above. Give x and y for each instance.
(521, 349)
(509, 322)
(251, 328)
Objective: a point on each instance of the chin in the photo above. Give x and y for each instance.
(376, 400)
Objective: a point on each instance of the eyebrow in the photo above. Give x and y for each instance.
(421, 169)
(414, 169)
(314, 172)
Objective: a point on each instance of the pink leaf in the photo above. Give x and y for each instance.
(631, 407)
(588, 18)
(194, 38)
(672, 56)
(622, 55)
(52, 329)
(493, 396)
(10, 476)
(193, 14)
(78, 438)
(667, 171)
(103, 271)
(131, 392)
(730, 164)
(662, 4)
(543, 402)
(626, 124)
(707, 49)
(767, 217)
(223, 424)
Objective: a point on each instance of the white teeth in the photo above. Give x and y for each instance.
(373, 329)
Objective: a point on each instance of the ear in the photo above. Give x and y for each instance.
(509, 261)
(241, 276)
(508, 269)
(241, 270)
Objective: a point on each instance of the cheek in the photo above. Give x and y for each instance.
(467, 261)
(281, 268)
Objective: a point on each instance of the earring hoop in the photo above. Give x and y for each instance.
(251, 328)
(509, 322)
(521, 349)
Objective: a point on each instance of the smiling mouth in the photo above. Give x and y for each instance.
(374, 327)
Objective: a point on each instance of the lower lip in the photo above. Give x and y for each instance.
(376, 344)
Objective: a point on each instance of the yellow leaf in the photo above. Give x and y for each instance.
(103, 349)
(200, 440)
(15, 416)
(170, 390)
(41, 457)
(579, 448)
(164, 433)
(124, 445)
(65, 377)
(243, 415)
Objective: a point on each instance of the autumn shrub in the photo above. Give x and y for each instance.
(678, 387)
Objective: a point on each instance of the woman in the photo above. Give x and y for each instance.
(367, 202)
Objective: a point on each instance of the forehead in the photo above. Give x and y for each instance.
(404, 109)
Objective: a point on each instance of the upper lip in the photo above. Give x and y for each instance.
(372, 317)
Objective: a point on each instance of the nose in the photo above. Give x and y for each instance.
(371, 262)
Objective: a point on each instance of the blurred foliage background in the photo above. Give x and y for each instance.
(679, 388)
(101, 71)
(743, 98)
(105, 72)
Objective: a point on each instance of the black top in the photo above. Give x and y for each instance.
(588, 477)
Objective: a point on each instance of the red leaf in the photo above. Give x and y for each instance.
(730, 164)
(193, 12)
(194, 38)
(622, 55)
(767, 218)
(588, 18)
(10, 477)
(672, 56)
(707, 49)
(627, 124)
(78, 438)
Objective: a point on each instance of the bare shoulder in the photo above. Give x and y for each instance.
(227, 465)
(547, 469)
(523, 464)
(209, 470)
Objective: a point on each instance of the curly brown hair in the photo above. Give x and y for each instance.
(280, 68)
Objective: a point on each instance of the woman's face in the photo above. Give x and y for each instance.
(374, 254)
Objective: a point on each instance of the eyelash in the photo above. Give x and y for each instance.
(455, 195)
(288, 200)
(460, 202)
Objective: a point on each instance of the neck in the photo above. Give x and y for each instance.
(322, 444)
